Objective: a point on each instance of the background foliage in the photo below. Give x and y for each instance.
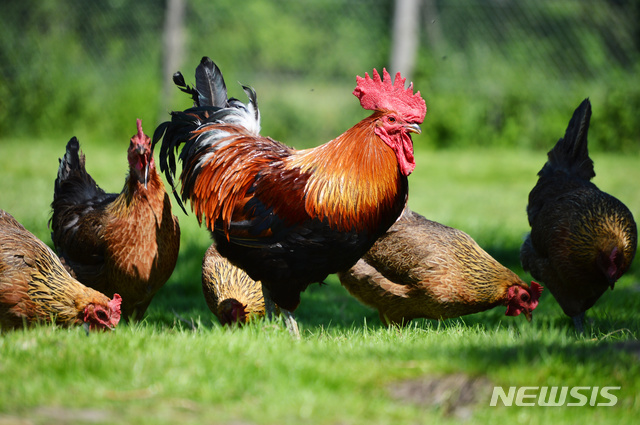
(493, 72)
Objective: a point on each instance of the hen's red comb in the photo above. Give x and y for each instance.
(377, 94)
(116, 302)
(114, 306)
(536, 290)
(140, 134)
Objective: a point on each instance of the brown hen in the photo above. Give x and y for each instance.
(35, 287)
(126, 243)
(421, 268)
(582, 239)
(231, 294)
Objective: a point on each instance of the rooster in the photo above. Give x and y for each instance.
(35, 287)
(421, 268)
(232, 296)
(291, 217)
(582, 239)
(126, 243)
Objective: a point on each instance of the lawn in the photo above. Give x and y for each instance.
(180, 366)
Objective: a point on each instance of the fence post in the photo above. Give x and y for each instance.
(405, 37)
(173, 48)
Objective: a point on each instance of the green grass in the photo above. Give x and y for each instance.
(180, 366)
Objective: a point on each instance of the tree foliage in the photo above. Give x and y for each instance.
(500, 73)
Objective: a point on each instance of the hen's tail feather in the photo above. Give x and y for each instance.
(571, 153)
(73, 185)
(70, 162)
(72, 171)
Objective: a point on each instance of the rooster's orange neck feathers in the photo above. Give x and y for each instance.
(353, 173)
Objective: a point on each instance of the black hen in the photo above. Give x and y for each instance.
(582, 239)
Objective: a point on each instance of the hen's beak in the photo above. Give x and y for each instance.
(146, 175)
(143, 156)
(528, 315)
(413, 128)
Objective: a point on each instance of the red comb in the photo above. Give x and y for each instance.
(114, 306)
(536, 290)
(140, 134)
(377, 94)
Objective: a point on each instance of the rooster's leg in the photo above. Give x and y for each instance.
(270, 312)
(291, 323)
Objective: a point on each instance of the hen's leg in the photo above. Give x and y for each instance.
(269, 305)
(578, 321)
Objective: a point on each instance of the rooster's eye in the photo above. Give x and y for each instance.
(102, 315)
(392, 119)
(524, 296)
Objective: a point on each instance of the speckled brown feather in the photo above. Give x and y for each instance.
(421, 268)
(226, 287)
(34, 286)
(126, 243)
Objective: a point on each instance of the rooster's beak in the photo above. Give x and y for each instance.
(528, 315)
(413, 128)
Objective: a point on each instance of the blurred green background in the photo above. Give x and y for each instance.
(493, 72)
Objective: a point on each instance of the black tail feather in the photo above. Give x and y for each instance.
(71, 163)
(157, 135)
(178, 80)
(71, 166)
(73, 185)
(253, 99)
(210, 89)
(210, 84)
(209, 94)
(571, 152)
(210, 102)
(167, 157)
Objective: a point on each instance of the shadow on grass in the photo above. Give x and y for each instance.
(593, 363)
(181, 297)
(330, 305)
